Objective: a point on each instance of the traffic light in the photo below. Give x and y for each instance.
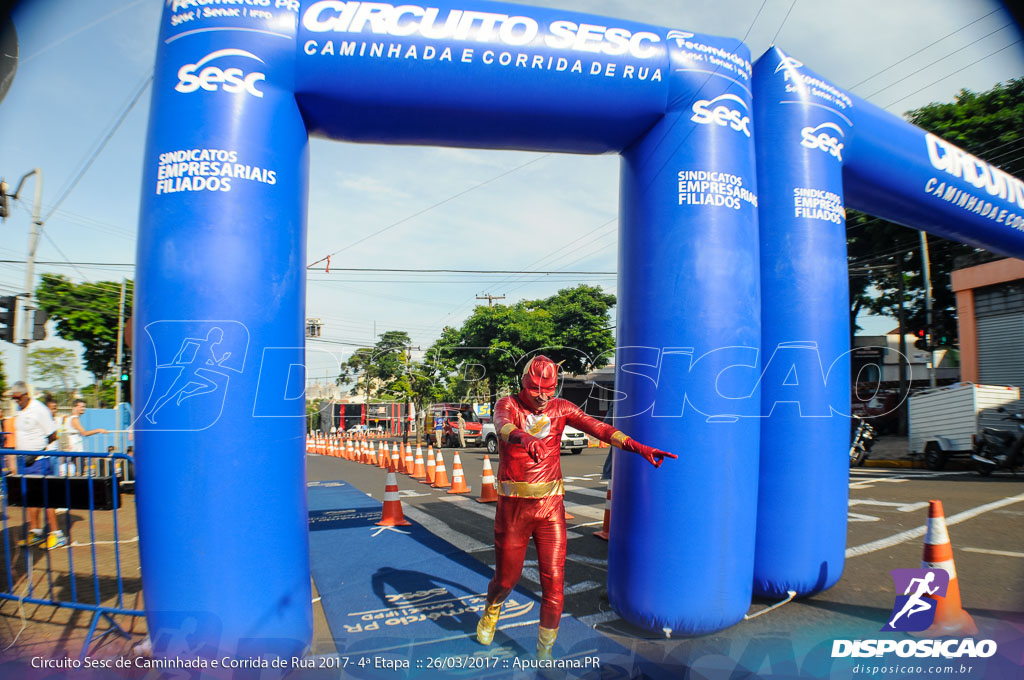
(923, 340)
(5, 207)
(39, 319)
(124, 375)
(8, 307)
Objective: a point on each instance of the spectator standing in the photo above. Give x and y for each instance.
(462, 430)
(76, 432)
(34, 431)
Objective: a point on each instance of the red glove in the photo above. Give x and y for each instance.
(654, 456)
(530, 444)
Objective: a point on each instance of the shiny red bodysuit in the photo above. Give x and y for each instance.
(519, 518)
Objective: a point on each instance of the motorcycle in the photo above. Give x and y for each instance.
(997, 449)
(861, 442)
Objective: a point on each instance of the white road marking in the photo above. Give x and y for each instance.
(986, 551)
(442, 530)
(911, 534)
(596, 493)
(857, 517)
(870, 483)
(483, 509)
(901, 507)
(592, 561)
(487, 510)
(585, 510)
(595, 619)
(581, 587)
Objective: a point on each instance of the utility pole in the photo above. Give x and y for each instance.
(22, 329)
(120, 354)
(926, 272)
(490, 298)
(903, 352)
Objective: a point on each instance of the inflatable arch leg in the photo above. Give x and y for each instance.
(682, 536)
(221, 284)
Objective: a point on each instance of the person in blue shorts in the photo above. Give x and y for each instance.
(34, 430)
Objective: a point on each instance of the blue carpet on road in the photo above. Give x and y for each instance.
(401, 594)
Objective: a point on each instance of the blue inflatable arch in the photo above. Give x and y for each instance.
(239, 88)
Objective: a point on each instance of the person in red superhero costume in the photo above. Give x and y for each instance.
(530, 491)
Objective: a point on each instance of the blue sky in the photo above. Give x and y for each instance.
(83, 61)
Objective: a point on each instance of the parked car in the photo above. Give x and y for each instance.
(574, 441)
(488, 435)
(365, 429)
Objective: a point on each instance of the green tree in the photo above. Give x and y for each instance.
(484, 357)
(3, 378)
(313, 414)
(355, 369)
(87, 313)
(989, 125)
(101, 395)
(56, 366)
(389, 365)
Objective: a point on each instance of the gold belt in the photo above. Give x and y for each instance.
(528, 490)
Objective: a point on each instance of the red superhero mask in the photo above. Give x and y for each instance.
(540, 378)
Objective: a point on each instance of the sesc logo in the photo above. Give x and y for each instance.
(679, 36)
(820, 138)
(722, 114)
(213, 78)
(788, 63)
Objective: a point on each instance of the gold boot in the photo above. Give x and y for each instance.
(545, 641)
(488, 622)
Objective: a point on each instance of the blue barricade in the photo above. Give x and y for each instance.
(49, 568)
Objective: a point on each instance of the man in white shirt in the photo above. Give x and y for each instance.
(34, 430)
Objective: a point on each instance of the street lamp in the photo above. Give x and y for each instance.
(22, 329)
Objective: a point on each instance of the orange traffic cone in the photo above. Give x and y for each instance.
(396, 463)
(410, 465)
(488, 489)
(458, 476)
(395, 451)
(440, 474)
(418, 471)
(603, 533)
(431, 466)
(950, 617)
(391, 515)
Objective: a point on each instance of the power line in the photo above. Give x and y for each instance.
(103, 142)
(990, 54)
(431, 207)
(784, 20)
(751, 27)
(914, 54)
(959, 49)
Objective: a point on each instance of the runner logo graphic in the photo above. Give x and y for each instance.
(195, 362)
(914, 610)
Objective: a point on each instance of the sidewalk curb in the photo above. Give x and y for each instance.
(870, 462)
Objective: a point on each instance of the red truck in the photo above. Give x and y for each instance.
(447, 416)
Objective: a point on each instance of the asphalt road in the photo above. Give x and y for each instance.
(985, 518)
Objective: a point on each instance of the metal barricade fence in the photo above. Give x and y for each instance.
(68, 463)
(39, 569)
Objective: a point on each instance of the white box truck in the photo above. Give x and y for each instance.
(944, 421)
